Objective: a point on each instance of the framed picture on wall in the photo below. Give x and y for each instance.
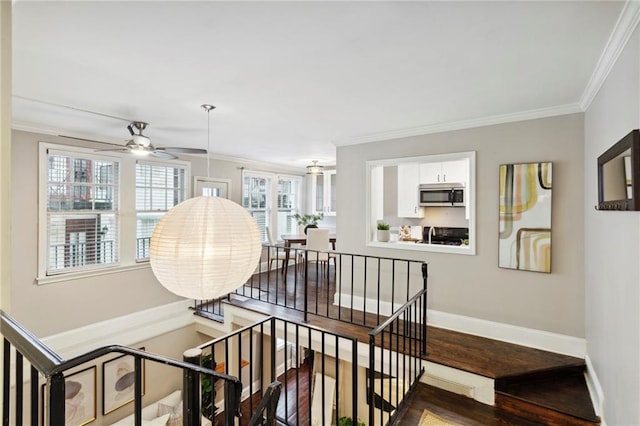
(118, 382)
(79, 397)
(525, 216)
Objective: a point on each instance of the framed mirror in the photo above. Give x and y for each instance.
(619, 175)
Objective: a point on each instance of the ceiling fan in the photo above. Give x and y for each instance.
(141, 145)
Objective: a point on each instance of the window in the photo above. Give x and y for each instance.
(256, 198)
(261, 191)
(288, 203)
(82, 211)
(158, 188)
(100, 208)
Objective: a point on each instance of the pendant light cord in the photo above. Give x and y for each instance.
(208, 108)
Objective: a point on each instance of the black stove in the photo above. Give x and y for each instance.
(445, 236)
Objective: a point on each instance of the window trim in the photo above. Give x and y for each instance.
(273, 199)
(126, 213)
(370, 222)
(298, 208)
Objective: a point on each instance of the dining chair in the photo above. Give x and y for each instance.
(318, 248)
(277, 252)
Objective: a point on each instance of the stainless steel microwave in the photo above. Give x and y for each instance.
(441, 195)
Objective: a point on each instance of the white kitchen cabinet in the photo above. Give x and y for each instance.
(408, 181)
(323, 197)
(445, 172)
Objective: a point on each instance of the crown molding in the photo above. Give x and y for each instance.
(622, 31)
(50, 131)
(464, 124)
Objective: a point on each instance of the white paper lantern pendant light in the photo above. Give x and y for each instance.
(205, 247)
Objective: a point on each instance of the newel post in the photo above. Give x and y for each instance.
(56, 399)
(191, 385)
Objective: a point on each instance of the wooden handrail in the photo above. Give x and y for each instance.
(41, 356)
(399, 312)
(52, 366)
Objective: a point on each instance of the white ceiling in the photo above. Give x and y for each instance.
(291, 78)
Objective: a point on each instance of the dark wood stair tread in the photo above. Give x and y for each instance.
(566, 394)
(491, 358)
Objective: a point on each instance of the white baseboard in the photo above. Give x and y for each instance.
(126, 330)
(386, 308)
(553, 342)
(461, 382)
(595, 389)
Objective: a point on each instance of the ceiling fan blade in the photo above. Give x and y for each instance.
(164, 155)
(182, 150)
(113, 150)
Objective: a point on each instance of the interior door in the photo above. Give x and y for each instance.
(216, 187)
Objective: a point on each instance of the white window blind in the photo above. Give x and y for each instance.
(159, 187)
(256, 198)
(82, 212)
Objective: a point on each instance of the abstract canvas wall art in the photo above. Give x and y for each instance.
(79, 398)
(118, 382)
(525, 217)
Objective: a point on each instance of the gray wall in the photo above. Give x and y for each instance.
(612, 249)
(474, 286)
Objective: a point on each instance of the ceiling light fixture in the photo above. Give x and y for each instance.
(206, 246)
(314, 169)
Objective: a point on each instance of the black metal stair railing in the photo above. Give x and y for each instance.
(305, 360)
(46, 363)
(396, 348)
(354, 288)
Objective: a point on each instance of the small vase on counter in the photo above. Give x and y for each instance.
(384, 235)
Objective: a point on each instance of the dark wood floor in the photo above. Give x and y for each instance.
(490, 358)
(294, 402)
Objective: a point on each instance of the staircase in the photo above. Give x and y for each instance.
(554, 397)
(532, 386)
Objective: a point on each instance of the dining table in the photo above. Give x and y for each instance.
(290, 239)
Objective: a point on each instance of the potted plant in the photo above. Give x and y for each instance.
(348, 421)
(384, 235)
(308, 220)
